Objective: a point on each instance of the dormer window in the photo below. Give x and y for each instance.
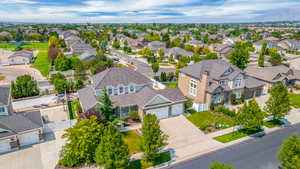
(222, 82)
(131, 88)
(121, 90)
(115, 91)
(110, 91)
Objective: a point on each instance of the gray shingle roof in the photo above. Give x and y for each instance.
(251, 82)
(4, 95)
(267, 73)
(20, 122)
(87, 98)
(116, 76)
(216, 69)
(22, 53)
(147, 94)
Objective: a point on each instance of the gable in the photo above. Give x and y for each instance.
(158, 99)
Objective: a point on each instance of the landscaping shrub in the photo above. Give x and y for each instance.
(225, 110)
(233, 100)
(297, 87)
(134, 115)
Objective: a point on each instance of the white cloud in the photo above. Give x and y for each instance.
(17, 2)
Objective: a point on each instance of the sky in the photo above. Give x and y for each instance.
(139, 11)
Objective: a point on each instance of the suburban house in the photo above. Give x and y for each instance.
(272, 75)
(21, 57)
(177, 52)
(17, 129)
(222, 50)
(214, 81)
(132, 91)
(196, 43)
(156, 45)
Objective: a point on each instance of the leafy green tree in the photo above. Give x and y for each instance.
(146, 52)
(275, 57)
(152, 138)
(251, 116)
(155, 67)
(106, 108)
(24, 86)
(239, 56)
(53, 41)
(112, 152)
(62, 63)
(264, 48)
(161, 53)
(289, 153)
(116, 44)
(197, 58)
(78, 84)
(82, 141)
(165, 37)
(261, 60)
(61, 85)
(278, 105)
(76, 64)
(218, 165)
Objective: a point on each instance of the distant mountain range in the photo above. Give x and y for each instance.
(285, 14)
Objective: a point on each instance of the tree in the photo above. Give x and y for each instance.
(264, 48)
(76, 64)
(155, 67)
(116, 44)
(289, 153)
(278, 105)
(53, 52)
(165, 37)
(217, 165)
(24, 86)
(106, 108)
(112, 152)
(239, 55)
(78, 84)
(53, 41)
(275, 57)
(163, 76)
(62, 63)
(82, 141)
(261, 60)
(161, 53)
(251, 116)
(152, 137)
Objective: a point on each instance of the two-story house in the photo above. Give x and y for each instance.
(17, 129)
(131, 91)
(214, 81)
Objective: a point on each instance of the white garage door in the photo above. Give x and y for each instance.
(177, 109)
(4, 146)
(160, 113)
(29, 138)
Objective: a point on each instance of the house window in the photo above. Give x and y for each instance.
(110, 91)
(126, 89)
(2, 109)
(121, 90)
(131, 89)
(115, 91)
(222, 82)
(193, 87)
(238, 83)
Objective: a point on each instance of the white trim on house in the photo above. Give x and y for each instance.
(158, 95)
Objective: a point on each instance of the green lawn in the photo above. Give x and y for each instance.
(141, 164)
(295, 100)
(273, 123)
(234, 135)
(42, 63)
(206, 119)
(133, 140)
(172, 84)
(31, 46)
(74, 108)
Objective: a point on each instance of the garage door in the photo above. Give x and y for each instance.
(177, 109)
(4, 146)
(160, 113)
(29, 138)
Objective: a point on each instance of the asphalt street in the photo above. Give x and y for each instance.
(258, 153)
(142, 67)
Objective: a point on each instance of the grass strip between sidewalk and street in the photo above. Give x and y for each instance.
(141, 164)
(235, 135)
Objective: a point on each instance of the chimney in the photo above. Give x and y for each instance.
(204, 85)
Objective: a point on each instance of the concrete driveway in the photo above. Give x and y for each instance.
(39, 156)
(180, 131)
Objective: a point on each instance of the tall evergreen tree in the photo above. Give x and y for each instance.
(106, 108)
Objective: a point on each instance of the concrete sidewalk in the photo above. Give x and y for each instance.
(207, 144)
